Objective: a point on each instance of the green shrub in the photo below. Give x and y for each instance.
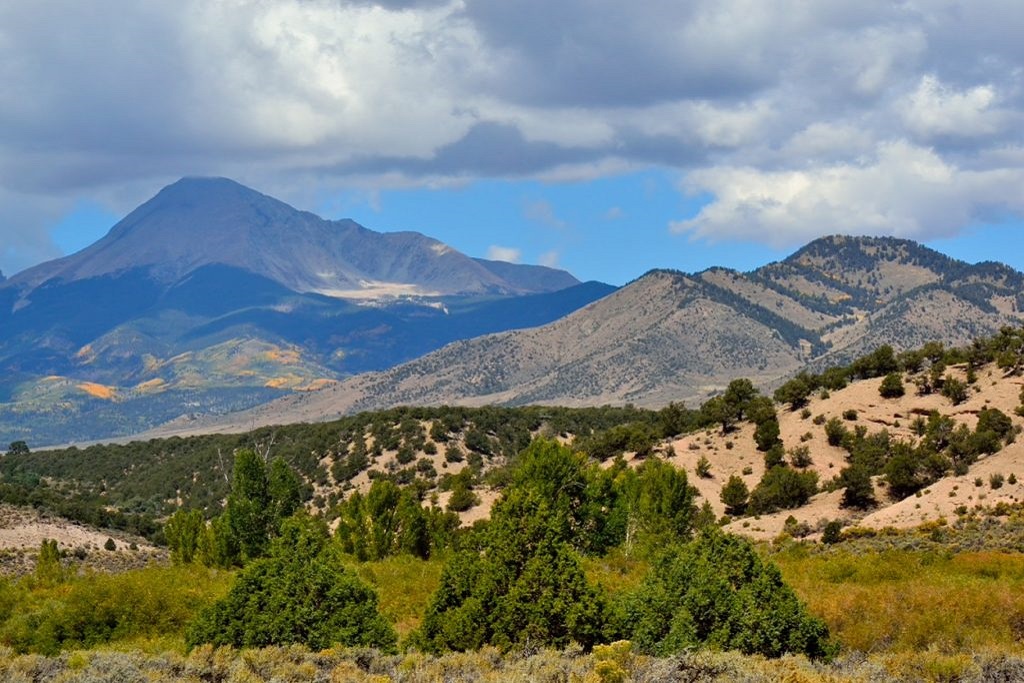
(892, 386)
(954, 390)
(300, 593)
(703, 468)
(835, 432)
(832, 533)
(735, 495)
(95, 609)
(183, 531)
(782, 488)
(462, 498)
(717, 592)
(800, 456)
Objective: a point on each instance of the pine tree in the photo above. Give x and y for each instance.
(735, 495)
(717, 592)
(299, 593)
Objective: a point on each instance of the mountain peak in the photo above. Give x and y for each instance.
(211, 195)
(865, 250)
(207, 188)
(201, 221)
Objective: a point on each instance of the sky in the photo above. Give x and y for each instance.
(605, 137)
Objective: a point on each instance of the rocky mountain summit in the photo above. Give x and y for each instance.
(198, 222)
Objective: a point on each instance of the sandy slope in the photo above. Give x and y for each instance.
(895, 415)
(735, 453)
(22, 531)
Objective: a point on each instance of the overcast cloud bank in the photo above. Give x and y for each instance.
(797, 119)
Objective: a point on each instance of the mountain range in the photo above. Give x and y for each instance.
(213, 297)
(672, 336)
(213, 306)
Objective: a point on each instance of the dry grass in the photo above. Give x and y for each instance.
(297, 665)
(404, 585)
(912, 602)
(98, 390)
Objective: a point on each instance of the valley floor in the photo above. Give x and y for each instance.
(908, 607)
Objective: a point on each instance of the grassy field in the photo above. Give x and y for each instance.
(893, 601)
(900, 601)
(930, 615)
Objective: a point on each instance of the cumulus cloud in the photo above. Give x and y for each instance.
(904, 190)
(816, 97)
(937, 109)
(508, 254)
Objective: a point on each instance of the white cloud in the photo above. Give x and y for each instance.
(827, 140)
(549, 259)
(320, 94)
(938, 109)
(508, 254)
(904, 190)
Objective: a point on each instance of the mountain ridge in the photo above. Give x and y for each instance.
(213, 296)
(670, 335)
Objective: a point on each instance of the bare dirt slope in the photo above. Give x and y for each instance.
(736, 454)
(22, 531)
(939, 500)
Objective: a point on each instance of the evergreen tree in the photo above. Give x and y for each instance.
(300, 593)
(858, 491)
(735, 495)
(18, 448)
(782, 488)
(892, 386)
(766, 434)
(526, 585)
(717, 592)
(738, 396)
(795, 392)
(717, 411)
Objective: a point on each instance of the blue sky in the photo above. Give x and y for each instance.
(612, 229)
(608, 139)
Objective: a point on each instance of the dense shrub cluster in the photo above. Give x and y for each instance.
(525, 582)
(299, 593)
(716, 591)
